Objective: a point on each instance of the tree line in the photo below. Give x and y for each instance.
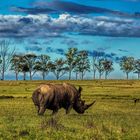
(75, 62)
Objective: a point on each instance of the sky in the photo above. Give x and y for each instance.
(52, 26)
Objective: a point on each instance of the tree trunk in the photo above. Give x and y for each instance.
(16, 76)
(82, 76)
(138, 75)
(127, 75)
(30, 75)
(43, 75)
(106, 74)
(76, 75)
(2, 77)
(100, 75)
(3, 73)
(24, 76)
(70, 75)
(94, 74)
(57, 77)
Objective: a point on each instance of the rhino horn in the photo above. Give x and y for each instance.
(89, 105)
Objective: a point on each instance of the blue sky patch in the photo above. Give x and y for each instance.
(52, 26)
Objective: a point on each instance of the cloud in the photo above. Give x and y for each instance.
(133, 0)
(103, 48)
(32, 10)
(33, 48)
(75, 7)
(60, 51)
(59, 6)
(48, 41)
(57, 51)
(70, 42)
(96, 53)
(122, 50)
(85, 42)
(34, 42)
(42, 26)
(41, 7)
(102, 54)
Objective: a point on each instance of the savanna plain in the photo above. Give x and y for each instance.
(114, 116)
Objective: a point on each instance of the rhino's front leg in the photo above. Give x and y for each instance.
(42, 104)
(42, 109)
(37, 108)
(54, 111)
(68, 109)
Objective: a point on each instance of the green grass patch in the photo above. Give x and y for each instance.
(114, 116)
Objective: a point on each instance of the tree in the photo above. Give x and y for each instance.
(127, 65)
(137, 67)
(100, 67)
(108, 67)
(30, 60)
(23, 66)
(19, 64)
(15, 65)
(76, 68)
(43, 65)
(6, 54)
(58, 68)
(70, 59)
(83, 64)
(96, 56)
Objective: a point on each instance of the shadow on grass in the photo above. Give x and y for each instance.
(6, 97)
(10, 97)
(51, 123)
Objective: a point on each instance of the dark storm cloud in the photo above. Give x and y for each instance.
(75, 7)
(42, 26)
(25, 20)
(34, 10)
(70, 7)
(61, 6)
(9, 31)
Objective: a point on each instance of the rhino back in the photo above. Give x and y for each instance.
(41, 91)
(55, 95)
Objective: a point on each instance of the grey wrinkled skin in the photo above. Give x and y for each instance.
(56, 96)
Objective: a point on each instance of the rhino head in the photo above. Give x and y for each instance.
(79, 105)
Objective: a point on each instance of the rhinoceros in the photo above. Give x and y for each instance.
(56, 96)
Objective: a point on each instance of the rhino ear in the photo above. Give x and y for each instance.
(84, 101)
(79, 91)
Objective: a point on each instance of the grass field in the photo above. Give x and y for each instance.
(115, 116)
